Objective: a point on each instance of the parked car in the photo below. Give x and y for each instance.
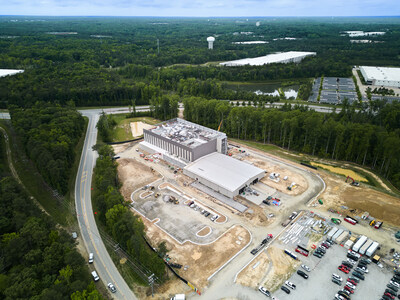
(338, 282)
(351, 261)
(344, 269)
(213, 218)
(285, 289)
(348, 290)
(391, 292)
(354, 253)
(317, 254)
(350, 285)
(354, 278)
(394, 288)
(358, 275)
(264, 291)
(395, 283)
(352, 281)
(344, 295)
(95, 276)
(111, 287)
(347, 264)
(206, 214)
(302, 274)
(336, 276)
(290, 284)
(306, 268)
(339, 297)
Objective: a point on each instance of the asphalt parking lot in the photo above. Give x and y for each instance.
(320, 286)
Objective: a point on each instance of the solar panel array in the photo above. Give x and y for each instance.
(334, 90)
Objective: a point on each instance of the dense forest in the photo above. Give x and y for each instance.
(38, 260)
(114, 214)
(49, 134)
(367, 137)
(112, 61)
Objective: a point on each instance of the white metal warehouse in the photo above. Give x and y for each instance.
(379, 76)
(223, 173)
(283, 57)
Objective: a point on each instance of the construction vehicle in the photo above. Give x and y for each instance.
(320, 201)
(263, 243)
(157, 195)
(353, 182)
(336, 221)
(292, 186)
(151, 188)
(372, 223)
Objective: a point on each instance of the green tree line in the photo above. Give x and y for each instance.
(123, 226)
(49, 134)
(368, 137)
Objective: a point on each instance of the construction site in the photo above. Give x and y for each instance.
(210, 224)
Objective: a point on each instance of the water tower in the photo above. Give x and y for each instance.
(210, 41)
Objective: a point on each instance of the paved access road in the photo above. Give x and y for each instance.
(103, 264)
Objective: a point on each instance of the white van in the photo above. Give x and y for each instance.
(91, 258)
(95, 276)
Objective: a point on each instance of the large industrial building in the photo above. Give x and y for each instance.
(223, 173)
(201, 153)
(379, 76)
(182, 142)
(9, 72)
(283, 57)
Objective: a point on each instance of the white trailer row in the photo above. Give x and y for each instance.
(365, 246)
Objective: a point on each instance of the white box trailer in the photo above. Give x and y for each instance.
(342, 237)
(371, 250)
(348, 244)
(364, 247)
(337, 234)
(332, 232)
(361, 241)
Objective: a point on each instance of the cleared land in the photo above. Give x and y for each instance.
(137, 128)
(134, 175)
(124, 131)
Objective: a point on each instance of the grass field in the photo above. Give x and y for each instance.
(122, 131)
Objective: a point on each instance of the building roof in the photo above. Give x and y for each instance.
(186, 133)
(381, 73)
(6, 72)
(268, 59)
(223, 170)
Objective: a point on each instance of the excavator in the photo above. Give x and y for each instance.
(353, 182)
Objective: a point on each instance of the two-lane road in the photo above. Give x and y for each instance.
(103, 264)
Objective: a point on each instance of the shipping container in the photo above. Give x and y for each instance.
(371, 250)
(361, 241)
(348, 244)
(337, 234)
(342, 237)
(332, 232)
(364, 247)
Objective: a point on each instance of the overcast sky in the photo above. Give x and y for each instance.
(201, 8)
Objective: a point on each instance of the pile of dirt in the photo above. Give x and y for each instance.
(133, 175)
(137, 128)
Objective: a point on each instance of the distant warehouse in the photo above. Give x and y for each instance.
(223, 173)
(379, 76)
(283, 57)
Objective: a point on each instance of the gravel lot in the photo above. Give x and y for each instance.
(319, 284)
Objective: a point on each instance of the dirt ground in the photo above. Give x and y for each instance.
(380, 205)
(273, 168)
(137, 128)
(206, 230)
(202, 261)
(253, 274)
(133, 175)
(122, 147)
(282, 268)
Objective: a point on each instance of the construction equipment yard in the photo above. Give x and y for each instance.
(215, 252)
